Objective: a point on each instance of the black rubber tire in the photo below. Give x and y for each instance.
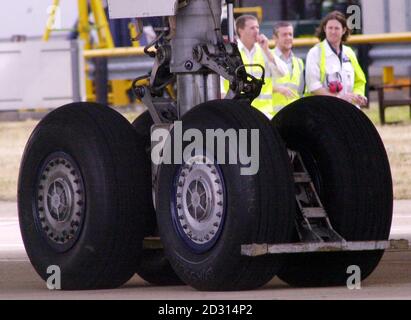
(105, 148)
(259, 208)
(142, 125)
(353, 175)
(153, 266)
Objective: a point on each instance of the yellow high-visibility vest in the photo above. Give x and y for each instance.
(359, 77)
(264, 101)
(291, 81)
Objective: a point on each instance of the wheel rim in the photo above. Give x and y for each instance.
(60, 201)
(198, 204)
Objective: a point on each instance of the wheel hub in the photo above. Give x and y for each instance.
(200, 200)
(60, 200)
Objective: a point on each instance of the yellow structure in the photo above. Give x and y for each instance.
(401, 37)
(51, 20)
(104, 47)
(117, 88)
(388, 75)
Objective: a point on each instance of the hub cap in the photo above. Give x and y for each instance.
(60, 201)
(200, 202)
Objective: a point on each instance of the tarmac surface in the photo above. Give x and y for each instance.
(18, 280)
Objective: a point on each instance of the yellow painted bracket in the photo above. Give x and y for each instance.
(83, 26)
(388, 75)
(51, 20)
(103, 28)
(134, 34)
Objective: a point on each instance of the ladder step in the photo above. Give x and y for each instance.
(301, 177)
(312, 213)
(254, 250)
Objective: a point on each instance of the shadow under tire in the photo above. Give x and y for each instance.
(213, 209)
(78, 190)
(153, 266)
(347, 161)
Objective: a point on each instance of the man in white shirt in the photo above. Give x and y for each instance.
(254, 49)
(248, 32)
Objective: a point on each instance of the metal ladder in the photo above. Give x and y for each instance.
(313, 225)
(312, 221)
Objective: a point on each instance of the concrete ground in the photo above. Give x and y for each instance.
(18, 280)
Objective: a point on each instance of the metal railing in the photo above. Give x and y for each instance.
(258, 11)
(384, 38)
(400, 37)
(376, 52)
